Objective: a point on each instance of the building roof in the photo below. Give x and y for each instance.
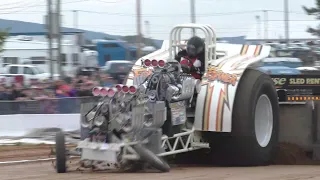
(13, 44)
(29, 28)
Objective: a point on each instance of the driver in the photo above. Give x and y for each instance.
(193, 57)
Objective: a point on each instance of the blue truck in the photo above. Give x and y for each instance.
(109, 50)
(280, 65)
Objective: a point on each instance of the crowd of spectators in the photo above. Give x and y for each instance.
(80, 86)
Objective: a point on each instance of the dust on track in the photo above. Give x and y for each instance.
(44, 171)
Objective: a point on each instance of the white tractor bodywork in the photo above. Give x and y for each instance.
(220, 81)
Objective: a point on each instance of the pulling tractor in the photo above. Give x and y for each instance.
(232, 113)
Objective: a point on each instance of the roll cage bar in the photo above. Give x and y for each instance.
(175, 41)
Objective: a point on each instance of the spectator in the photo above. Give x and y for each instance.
(39, 93)
(85, 89)
(4, 96)
(9, 92)
(107, 80)
(17, 91)
(26, 95)
(63, 91)
(85, 79)
(74, 87)
(50, 105)
(50, 93)
(33, 82)
(94, 77)
(57, 84)
(39, 90)
(73, 90)
(46, 84)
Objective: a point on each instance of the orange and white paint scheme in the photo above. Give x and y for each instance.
(219, 85)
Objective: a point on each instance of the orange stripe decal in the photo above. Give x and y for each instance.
(244, 49)
(223, 100)
(257, 51)
(207, 107)
(239, 62)
(225, 61)
(205, 85)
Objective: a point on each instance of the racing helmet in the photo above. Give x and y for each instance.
(195, 46)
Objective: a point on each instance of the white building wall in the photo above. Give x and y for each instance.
(28, 50)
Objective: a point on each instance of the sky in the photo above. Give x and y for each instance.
(118, 17)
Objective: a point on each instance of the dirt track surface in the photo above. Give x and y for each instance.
(25, 152)
(44, 171)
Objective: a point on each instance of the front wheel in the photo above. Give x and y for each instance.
(61, 156)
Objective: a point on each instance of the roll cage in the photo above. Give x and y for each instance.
(176, 42)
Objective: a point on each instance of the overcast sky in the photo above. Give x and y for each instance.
(228, 17)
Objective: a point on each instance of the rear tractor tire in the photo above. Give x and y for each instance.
(61, 157)
(255, 124)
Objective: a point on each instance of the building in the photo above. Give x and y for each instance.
(34, 50)
(263, 41)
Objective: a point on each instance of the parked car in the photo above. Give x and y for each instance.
(117, 69)
(281, 61)
(86, 71)
(24, 73)
(279, 70)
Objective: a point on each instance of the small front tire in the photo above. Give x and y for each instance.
(61, 156)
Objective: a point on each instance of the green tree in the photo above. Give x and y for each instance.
(314, 11)
(108, 38)
(133, 39)
(3, 37)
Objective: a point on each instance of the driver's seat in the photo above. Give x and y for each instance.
(176, 42)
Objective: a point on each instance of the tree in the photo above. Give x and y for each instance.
(108, 38)
(133, 39)
(314, 11)
(3, 37)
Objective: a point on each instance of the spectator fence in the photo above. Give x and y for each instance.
(70, 105)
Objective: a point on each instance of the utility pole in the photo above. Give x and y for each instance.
(49, 29)
(139, 38)
(258, 26)
(286, 21)
(147, 25)
(58, 13)
(193, 14)
(75, 19)
(75, 53)
(266, 31)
